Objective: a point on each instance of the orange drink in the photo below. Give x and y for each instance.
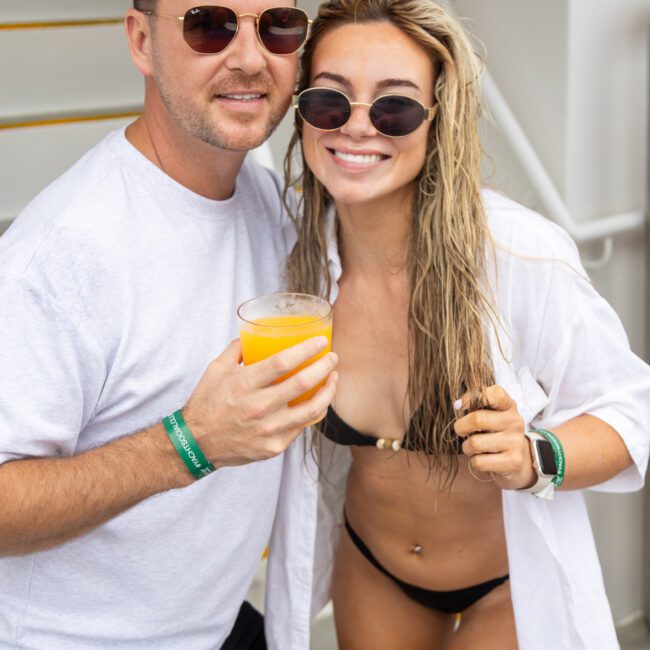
(278, 321)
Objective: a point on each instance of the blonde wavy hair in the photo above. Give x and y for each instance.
(448, 241)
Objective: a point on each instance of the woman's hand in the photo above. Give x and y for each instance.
(495, 441)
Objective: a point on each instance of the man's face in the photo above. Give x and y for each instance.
(232, 100)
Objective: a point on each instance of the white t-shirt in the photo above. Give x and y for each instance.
(118, 287)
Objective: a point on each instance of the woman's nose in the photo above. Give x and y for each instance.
(359, 124)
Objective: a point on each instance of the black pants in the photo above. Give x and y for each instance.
(248, 633)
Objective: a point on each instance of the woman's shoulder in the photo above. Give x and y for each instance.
(532, 257)
(525, 234)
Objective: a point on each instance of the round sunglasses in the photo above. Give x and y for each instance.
(327, 109)
(210, 29)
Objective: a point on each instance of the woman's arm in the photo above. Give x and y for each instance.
(593, 450)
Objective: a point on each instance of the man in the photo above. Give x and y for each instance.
(120, 284)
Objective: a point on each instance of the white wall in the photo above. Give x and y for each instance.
(607, 166)
(53, 73)
(575, 73)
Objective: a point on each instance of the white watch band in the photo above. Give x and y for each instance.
(543, 488)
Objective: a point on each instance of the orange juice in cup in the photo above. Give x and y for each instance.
(272, 323)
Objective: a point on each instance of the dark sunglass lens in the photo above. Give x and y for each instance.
(283, 30)
(324, 109)
(209, 30)
(396, 116)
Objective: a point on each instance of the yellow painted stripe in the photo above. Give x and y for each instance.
(53, 24)
(68, 120)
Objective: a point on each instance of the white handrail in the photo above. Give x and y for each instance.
(554, 204)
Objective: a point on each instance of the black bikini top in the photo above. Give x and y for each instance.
(340, 432)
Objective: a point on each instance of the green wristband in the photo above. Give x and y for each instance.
(186, 446)
(558, 450)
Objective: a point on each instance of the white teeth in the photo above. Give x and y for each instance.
(360, 159)
(243, 97)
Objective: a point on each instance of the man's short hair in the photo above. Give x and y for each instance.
(144, 5)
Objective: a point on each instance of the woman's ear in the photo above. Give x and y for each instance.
(138, 34)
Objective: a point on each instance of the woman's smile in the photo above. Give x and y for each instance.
(357, 160)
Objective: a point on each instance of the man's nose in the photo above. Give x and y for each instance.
(246, 52)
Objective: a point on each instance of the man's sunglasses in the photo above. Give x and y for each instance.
(327, 109)
(211, 29)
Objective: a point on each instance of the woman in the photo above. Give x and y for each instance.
(459, 319)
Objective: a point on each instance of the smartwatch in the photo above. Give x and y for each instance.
(544, 464)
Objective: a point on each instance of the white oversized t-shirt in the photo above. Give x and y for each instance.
(118, 287)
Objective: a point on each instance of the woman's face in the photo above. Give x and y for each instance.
(356, 163)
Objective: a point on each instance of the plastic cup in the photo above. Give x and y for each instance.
(277, 321)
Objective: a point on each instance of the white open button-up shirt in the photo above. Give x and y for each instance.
(565, 353)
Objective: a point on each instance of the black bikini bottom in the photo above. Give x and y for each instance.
(449, 602)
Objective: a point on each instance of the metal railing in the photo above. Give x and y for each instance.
(555, 207)
(57, 24)
(645, 557)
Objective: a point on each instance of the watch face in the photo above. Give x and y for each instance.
(547, 464)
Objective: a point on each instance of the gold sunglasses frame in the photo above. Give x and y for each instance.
(429, 113)
(181, 19)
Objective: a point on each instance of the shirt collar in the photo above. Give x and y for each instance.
(333, 255)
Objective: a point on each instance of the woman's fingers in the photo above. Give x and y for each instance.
(489, 422)
(488, 443)
(499, 447)
(497, 397)
(500, 414)
(510, 469)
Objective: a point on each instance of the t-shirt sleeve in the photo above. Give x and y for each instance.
(585, 366)
(52, 374)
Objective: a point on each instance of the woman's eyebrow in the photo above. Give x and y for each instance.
(334, 77)
(393, 83)
(385, 83)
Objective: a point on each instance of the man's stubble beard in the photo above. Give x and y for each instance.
(202, 124)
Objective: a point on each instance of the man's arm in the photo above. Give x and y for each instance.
(52, 500)
(237, 414)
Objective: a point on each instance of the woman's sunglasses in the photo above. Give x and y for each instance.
(327, 109)
(211, 29)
